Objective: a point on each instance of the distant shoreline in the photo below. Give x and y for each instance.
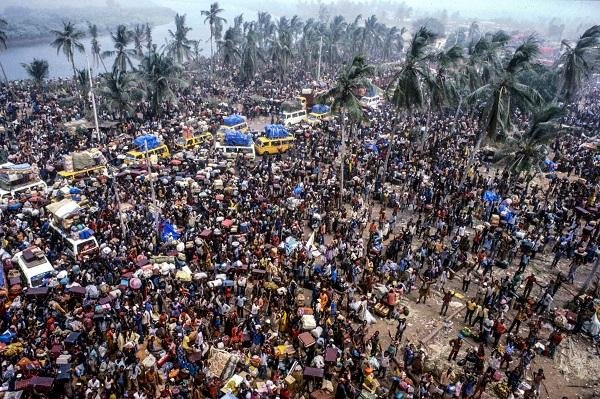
(28, 27)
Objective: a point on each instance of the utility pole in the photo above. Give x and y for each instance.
(87, 60)
(117, 197)
(319, 64)
(155, 208)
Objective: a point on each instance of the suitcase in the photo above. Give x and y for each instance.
(306, 339)
(321, 394)
(313, 372)
(305, 310)
(41, 383)
(331, 355)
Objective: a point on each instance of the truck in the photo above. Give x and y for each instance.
(84, 163)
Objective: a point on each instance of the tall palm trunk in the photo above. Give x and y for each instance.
(212, 67)
(490, 123)
(343, 157)
(73, 66)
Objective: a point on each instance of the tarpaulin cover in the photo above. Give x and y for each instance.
(85, 234)
(169, 232)
(147, 139)
(235, 138)
(550, 165)
(320, 108)
(490, 196)
(233, 119)
(276, 131)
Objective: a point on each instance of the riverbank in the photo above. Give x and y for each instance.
(28, 27)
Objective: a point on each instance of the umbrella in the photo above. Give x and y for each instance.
(175, 162)
(135, 283)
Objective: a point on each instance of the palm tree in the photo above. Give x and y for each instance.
(228, 48)
(160, 75)
(411, 82)
(68, 40)
(148, 37)
(281, 47)
(83, 81)
(484, 62)
(213, 18)
(334, 37)
(250, 57)
(95, 46)
(119, 93)
(391, 38)
(37, 70)
(345, 101)
(180, 47)
(3, 36)
(445, 90)
(139, 38)
(527, 151)
(121, 38)
(503, 91)
(369, 34)
(577, 61)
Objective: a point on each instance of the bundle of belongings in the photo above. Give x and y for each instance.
(233, 120)
(146, 142)
(84, 160)
(276, 131)
(237, 139)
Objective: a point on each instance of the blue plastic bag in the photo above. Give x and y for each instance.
(320, 109)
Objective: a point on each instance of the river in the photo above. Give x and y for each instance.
(59, 67)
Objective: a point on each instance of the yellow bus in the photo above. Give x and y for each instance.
(134, 156)
(265, 145)
(314, 118)
(194, 141)
(74, 174)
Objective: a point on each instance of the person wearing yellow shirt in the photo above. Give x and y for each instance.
(471, 307)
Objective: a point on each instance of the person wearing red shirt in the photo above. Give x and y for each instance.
(499, 330)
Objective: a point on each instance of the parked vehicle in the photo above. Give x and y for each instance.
(34, 267)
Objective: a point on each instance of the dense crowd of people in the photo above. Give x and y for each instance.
(268, 273)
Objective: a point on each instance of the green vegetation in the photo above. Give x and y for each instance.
(24, 24)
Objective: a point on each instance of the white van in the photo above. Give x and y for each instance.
(15, 191)
(15, 180)
(293, 117)
(34, 266)
(76, 248)
(234, 151)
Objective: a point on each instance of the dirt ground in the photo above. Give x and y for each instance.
(573, 372)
